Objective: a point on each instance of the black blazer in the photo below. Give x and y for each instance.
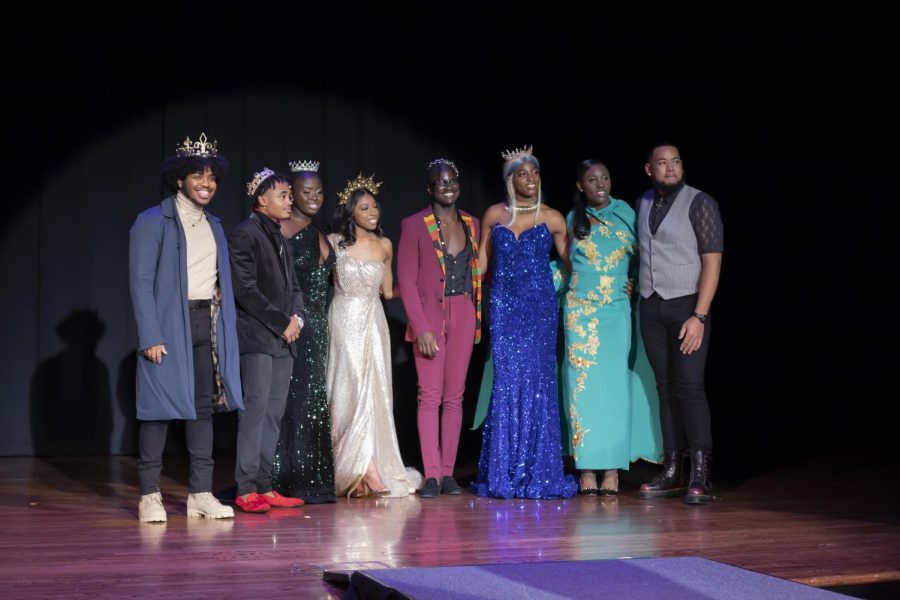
(266, 290)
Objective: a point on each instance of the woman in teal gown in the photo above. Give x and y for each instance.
(609, 392)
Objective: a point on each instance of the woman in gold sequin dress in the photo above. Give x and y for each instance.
(366, 454)
(303, 466)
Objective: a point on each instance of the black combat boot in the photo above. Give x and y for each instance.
(700, 489)
(669, 482)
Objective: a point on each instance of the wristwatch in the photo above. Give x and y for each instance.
(299, 321)
(700, 317)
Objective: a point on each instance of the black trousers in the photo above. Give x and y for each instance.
(266, 381)
(198, 432)
(683, 407)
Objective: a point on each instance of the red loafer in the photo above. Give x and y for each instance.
(252, 503)
(276, 500)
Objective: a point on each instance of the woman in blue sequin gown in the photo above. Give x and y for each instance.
(521, 451)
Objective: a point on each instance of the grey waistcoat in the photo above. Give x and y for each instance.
(670, 263)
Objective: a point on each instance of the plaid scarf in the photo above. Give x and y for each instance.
(220, 401)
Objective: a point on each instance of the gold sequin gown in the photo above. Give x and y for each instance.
(359, 378)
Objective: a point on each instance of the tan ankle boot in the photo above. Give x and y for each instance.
(204, 504)
(151, 509)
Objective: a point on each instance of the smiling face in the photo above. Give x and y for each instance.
(443, 186)
(366, 212)
(595, 183)
(308, 194)
(198, 187)
(526, 180)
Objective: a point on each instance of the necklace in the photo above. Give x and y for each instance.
(190, 219)
(187, 209)
(526, 209)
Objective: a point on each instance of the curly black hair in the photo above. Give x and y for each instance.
(175, 168)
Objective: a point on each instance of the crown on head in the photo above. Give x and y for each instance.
(360, 183)
(199, 148)
(299, 166)
(510, 156)
(258, 178)
(442, 161)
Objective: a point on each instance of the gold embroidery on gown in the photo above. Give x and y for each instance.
(359, 378)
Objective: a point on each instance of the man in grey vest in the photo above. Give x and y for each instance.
(681, 242)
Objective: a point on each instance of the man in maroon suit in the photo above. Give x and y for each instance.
(440, 284)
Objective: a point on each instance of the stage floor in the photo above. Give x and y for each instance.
(68, 529)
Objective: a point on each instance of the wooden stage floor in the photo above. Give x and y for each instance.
(68, 529)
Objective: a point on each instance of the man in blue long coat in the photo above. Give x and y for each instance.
(188, 363)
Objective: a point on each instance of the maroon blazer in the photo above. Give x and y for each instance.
(419, 275)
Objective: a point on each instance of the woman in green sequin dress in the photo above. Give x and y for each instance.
(609, 389)
(304, 462)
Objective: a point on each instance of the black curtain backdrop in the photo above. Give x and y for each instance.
(771, 121)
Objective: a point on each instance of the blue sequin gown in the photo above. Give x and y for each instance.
(521, 451)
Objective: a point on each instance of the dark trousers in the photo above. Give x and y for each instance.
(266, 380)
(198, 432)
(683, 407)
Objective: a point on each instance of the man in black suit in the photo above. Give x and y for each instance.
(270, 317)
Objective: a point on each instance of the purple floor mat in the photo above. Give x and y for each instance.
(645, 578)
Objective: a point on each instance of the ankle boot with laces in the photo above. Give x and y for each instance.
(700, 490)
(151, 509)
(669, 482)
(204, 504)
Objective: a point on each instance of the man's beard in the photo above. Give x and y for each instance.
(666, 189)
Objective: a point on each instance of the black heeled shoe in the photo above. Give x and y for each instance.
(588, 491)
(610, 491)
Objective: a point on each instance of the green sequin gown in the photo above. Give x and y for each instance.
(304, 461)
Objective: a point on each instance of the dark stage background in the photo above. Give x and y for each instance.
(770, 119)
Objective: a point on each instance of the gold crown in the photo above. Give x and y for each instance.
(510, 156)
(199, 148)
(360, 183)
(258, 178)
(299, 166)
(442, 161)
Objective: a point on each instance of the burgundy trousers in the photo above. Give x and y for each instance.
(442, 381)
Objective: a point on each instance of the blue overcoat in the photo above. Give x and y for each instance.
(157, 265)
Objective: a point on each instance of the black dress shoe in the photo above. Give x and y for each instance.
(429, 489)
(450, 487)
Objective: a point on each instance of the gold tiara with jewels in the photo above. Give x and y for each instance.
(360, 183)
(258, 178)
(442, 161)
(201, 147)
(299, 166)
(510, 156)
